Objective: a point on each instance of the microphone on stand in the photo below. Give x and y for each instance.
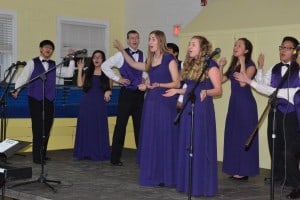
(76, 53)
(18, 63)
(213, 54)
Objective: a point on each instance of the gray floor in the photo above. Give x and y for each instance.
(99, 180)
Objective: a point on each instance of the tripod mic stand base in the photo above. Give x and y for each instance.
(41, 179)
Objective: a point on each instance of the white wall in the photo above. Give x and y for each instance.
(146, 16)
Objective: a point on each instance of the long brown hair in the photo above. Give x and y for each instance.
(192, 67)
(162, 45)
(234, 60)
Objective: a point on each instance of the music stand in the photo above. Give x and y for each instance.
(42, 178)
(192, 98)
(9, 147)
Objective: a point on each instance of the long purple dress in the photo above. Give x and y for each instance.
(241, 120)
(204, 167)
(158, 135)
(92, 138)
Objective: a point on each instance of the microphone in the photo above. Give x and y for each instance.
(214, 53)
(18, 63)
(76, 53)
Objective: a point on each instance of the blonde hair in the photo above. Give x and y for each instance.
(192, 67)
(162, 45)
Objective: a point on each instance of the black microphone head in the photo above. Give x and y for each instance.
(76, 53)
(21, 63)
(84, 51)
(218, 50)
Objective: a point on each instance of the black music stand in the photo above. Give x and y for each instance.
(272, 103)
(42, 178)
(9, 147)
(192, 98)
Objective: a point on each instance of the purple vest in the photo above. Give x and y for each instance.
(128, 72)
(292, 82)
(35, 88)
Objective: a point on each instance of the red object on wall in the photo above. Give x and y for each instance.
(203, 2)
(176, 30)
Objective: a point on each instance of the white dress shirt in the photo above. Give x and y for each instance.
(65, 72)
(262, 84)
(27, 71)
(117, 61)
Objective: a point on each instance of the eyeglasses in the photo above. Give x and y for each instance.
(286, 48)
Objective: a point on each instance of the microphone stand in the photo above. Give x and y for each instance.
(42, 178)
(3, 101)
(272, 103)
(192, 98)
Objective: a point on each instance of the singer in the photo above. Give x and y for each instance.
(35, 67)
(92, 137)
(242, 116)
(131, 98)
(158, 149)
(204, 166)
(286, 169)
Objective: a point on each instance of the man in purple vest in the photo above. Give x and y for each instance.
(34, 68)
(287, 141)
(131, 98)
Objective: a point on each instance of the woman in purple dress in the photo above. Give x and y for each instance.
(92, 138)
(242, 117)
(204, 160)
(158, 134)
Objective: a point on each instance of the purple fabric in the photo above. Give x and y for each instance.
(241, 120)
(204, 168)
(297, 107)
(135, 76)
(35, 88)
(92, 139)
(293, 81)
(158, 135)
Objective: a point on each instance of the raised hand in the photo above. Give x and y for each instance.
(80, 64)
(260, 61)
(118, 45)
(222, 62)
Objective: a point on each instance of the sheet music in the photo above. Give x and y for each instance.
(7, 144)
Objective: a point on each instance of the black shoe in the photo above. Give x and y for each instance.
(161, 185)
(118, 163)
(243, 178)
(276, 180)
(37, 161)
(295, 194)
(47, 158)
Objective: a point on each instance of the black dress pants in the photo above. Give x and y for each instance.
(39, 137)
(130, 104)
(286, 155)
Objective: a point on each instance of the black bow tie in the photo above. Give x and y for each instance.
(287, 65)
(134, 52)
(45, 61)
